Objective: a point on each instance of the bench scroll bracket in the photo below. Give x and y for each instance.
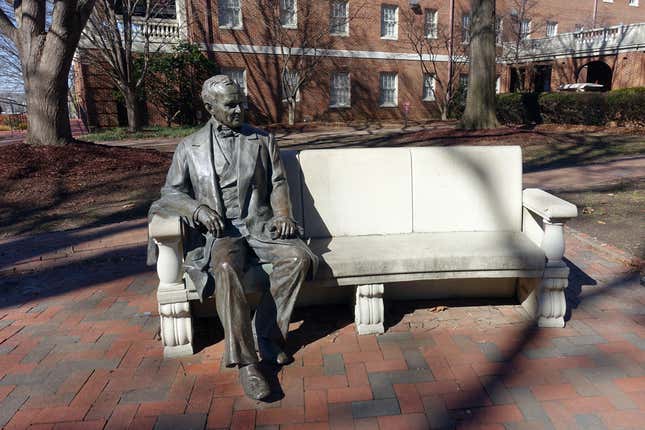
(369, 310)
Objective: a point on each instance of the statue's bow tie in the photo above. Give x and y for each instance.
(227, 132)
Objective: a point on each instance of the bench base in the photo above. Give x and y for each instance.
(369, 311)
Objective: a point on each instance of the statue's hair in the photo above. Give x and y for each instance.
(216, 85)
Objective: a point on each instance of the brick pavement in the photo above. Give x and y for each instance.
(79, 349)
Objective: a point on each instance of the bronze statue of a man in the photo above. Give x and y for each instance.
(228, 183)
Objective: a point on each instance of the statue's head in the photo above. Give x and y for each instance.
(224, 100)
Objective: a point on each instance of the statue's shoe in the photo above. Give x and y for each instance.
(271, 352)
(253, 382)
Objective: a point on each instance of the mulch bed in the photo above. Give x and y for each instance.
(60, 187)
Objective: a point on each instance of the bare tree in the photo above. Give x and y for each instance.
(45, 40)
(480, 99)
(520, 26)
(301, 31)
(431, 40)
(120, 38)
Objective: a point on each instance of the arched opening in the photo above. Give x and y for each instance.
(596, 72)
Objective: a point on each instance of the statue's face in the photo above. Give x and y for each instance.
(226, 106)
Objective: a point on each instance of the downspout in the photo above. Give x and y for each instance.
(595, 12)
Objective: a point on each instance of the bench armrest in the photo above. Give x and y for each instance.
(547, 233)
(548, 206)
(164, 228)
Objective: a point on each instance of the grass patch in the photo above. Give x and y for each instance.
(122, 133)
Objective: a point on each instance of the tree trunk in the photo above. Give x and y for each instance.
(480, 100)
(47, 111)
(133, 109)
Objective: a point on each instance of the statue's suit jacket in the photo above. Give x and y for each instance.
(263, 192)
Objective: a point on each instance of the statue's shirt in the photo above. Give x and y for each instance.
(226, 145)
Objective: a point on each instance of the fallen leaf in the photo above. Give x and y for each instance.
(438, 309)
(601, 222)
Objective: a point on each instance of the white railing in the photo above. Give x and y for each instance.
(597, 41)
(159, 30)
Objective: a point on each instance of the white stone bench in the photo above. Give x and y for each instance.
(407, 219)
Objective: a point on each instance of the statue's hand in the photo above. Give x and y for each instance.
(283, 227)
(210, 219)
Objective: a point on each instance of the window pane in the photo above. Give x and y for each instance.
(388, 89)
(431, 23)
(288, 14)
(230, 13)
(339, 89)
(465, 29)
(428, 87)
(338, 21)
(389, 21)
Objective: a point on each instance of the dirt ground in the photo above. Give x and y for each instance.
(84, 184)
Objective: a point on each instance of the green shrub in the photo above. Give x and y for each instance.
(573, 108)
(626, 105)
(518, 108)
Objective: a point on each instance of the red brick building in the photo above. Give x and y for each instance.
(359, 61)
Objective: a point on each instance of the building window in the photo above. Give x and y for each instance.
(289, 83)
(633, 2)
(431, 23)
(239, 77)
(463, 82)
(338, 18)
(525, 29)
(389, 21)
(428, 87)
(230, 14)
(339, 90)
(465, 28)
(498, 84)
(551, 28)
(389, 87)
(498, 29)
(289, 13)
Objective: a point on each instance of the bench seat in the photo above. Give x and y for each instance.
(345, 258)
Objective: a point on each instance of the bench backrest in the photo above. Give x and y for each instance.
(355, 192)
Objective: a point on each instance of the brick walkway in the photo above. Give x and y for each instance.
(79, 349)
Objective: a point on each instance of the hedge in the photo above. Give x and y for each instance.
(624, 105)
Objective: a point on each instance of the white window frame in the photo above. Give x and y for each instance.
(394, 22)
(633, 3)
(345, 79)
(429, 87)
(498, 84)
(431, 23)
(382, 101)
(290, 74)
(335, 19)
(465, 28)
(227, 8)
(525, 35)
(608, 1)
(289, 8)
(554, 25)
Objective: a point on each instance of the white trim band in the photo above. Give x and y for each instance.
(340, 53)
